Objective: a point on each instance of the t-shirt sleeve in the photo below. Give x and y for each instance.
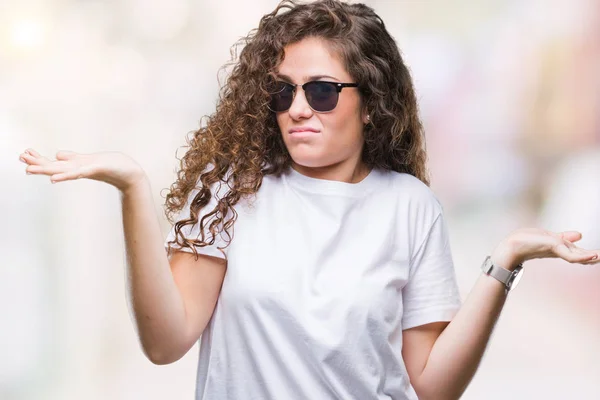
(193, 231)
(431, 294)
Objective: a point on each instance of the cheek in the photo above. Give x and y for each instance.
(280, 121)
(344, 126)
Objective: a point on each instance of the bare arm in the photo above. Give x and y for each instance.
(171, 300)
(442, 358)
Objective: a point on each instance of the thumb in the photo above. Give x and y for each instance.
(571, 236)
(64, 154)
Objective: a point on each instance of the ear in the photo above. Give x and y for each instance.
(366, 118)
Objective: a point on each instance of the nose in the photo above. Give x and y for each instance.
(300, 108)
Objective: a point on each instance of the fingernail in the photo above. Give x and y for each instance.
(28, 173)
(595, 256)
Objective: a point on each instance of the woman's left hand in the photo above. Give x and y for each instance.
(529, 243)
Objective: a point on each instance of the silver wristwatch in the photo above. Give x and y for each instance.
(509, 278)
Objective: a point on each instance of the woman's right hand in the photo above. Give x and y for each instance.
(114, 168)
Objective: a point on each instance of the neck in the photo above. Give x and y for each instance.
(342, 172)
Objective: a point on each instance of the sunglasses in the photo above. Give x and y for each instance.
(321, 96)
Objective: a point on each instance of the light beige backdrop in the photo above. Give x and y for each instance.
(510, 97)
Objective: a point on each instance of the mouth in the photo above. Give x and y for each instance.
(303, 129)
(302, 134)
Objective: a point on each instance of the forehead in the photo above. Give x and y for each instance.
(311, 57)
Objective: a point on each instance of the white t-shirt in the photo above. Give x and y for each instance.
(322, 278)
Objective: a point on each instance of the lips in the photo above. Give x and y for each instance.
(303, 129)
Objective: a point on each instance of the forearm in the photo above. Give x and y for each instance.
(155, 302)
(457, 352)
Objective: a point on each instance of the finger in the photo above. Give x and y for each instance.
(597, 256)
(66, 176)
(47, 169)
(575, 254)
(32, 152)
(571, 236)
(593, 261)
(31, 160)
(65, 155)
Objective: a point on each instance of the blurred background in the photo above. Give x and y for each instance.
(510, 97)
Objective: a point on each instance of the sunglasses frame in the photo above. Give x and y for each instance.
(338, 86)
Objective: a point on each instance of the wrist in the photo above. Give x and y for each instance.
(135, 184)
(505, 256)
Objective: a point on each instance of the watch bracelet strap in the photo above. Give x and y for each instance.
(500, 274)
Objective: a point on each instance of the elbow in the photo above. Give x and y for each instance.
(430, 397)
(162, 356)
(166, 349)
(429, 392)
(158, 359)
(435, 396)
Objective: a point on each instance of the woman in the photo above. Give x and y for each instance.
(338, 281)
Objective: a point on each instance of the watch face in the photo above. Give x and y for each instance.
(515, 278)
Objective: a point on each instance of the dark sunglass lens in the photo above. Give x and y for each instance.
(282, 96)
(322, 96)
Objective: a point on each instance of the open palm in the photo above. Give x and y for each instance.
(529, 243)
(114, 168)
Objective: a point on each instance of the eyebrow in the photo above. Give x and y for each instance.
(307, 78)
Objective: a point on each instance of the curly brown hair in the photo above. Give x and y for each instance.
(241, 142)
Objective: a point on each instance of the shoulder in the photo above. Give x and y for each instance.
(409, 190)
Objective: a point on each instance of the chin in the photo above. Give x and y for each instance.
(310, 160)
